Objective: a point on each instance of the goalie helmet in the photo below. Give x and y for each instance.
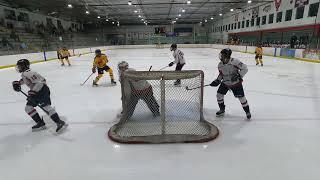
(173, 47)
(22, 65)
(123, 65)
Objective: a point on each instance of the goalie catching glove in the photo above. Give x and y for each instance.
(16, 86)
(215, 83)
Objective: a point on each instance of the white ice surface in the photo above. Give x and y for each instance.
(282, 142)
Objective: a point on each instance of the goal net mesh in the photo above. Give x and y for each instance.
(161, 112)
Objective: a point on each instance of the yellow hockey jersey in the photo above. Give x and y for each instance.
(101, 61)
(64, 53)
(259, 51)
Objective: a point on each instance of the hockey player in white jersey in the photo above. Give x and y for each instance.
(133, 91)
(178, 60)
(38, 95)
(231, 73)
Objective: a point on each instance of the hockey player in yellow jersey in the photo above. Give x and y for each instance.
(100, 63)
(63, 53)
(259, 52)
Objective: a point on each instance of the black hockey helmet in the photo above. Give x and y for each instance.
(225, 54)
(22, 65)
(97, 52)
(173, 47)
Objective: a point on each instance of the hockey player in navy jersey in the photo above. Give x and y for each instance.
(231, 73)
(38, 95)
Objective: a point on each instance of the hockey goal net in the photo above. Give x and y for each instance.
(162, 112)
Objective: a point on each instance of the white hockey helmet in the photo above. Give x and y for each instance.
(123, 65)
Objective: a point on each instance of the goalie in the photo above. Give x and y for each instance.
(133, 91)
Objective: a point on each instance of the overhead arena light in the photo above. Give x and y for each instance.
(183, 10)
(107, 20)
(135, 11)
(205, 20)
(211, 18)
(188, 2)
(69, 5)
(231, 10)
(177, 18)
(249, 1)
(179, 15)
(220, 14)
(112, 22)
(129, 3)
(98, 17)
(139, 16)
(87, 12)
(142, 19)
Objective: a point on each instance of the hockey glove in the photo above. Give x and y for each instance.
(215, 83)
(235, 77)
(16, 86)
(94, 70)
(171, 64)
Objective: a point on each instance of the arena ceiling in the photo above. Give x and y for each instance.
(150, 11)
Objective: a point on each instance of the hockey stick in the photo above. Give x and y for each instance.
(86, 79)
(188, 89)
(163, 68)
(34, 103)
(150, 68)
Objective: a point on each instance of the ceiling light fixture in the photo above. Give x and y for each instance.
(220, 14)
(135, 11)
(249, 1)
(211, 18)
(98, 17)
(188, 2)
(183, 10)
(179, 15)
(69, 5)
(87, 12)
(129, 3)
(231, 10)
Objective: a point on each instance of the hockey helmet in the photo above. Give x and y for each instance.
(123, 65)
(22, 65)
(225, 54)
(173, 47)
(97, 52)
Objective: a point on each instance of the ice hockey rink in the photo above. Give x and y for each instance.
(280, 142)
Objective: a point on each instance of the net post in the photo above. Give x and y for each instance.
(163, 104)
(201, 95)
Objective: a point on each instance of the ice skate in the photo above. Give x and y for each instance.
(39, 126)
(248, 115)
(177, 83)
(113, 82)
(220, 113)
(61, 126)
(94, 84)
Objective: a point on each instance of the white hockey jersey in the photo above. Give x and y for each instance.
(230, 69)
(33, 80)
(178, 57)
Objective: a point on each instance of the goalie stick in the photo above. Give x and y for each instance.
(188, 89)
